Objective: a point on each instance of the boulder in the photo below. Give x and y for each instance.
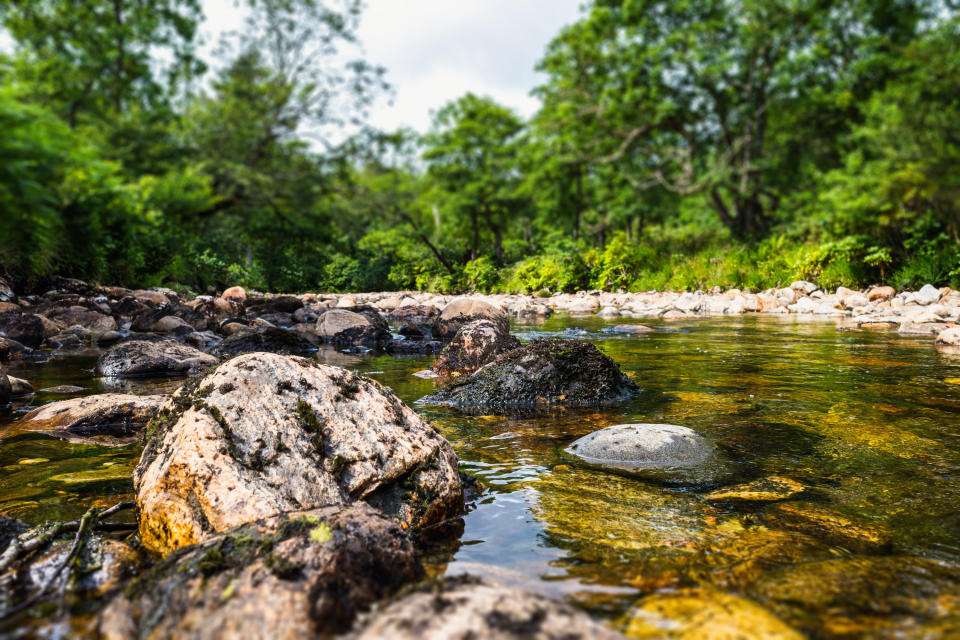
(152, 358)
(688, 302)
(6, 291)
(299, 575)
(468, 607)
(273, 304)
(949, 337)
(270, 339)
(170, 324)
(19, 387)
(927, 295)
(264, 433)
(538, 375)
(631, 328)
(5, 386)
(235, 294)
(27, 329)
(90, 320)
(473, 346)
(803, 286)
(463, 311)
(661, 452)
(348, 328)
(112, 414)
(415, 321)
(881, 293)
(702, 614)
(10, 349)
(152, 297)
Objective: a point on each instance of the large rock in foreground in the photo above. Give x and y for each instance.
(300, 575)
(466, 607)
(662, 452)
(152, 358)
(113, 415)
(475, 345)
(538, 375)
(264, 434)
(463, 311)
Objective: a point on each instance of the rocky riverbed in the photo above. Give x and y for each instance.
(280, 464)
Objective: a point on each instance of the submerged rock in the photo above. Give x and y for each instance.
(867, 596)
(299, 575)
(475, 345)
(152, 358)
(113, 415)
(662, 452)
(264, 434)
(701, 614)
(269, 339)
(463, 311)
(538, 375)
(467, 607)
(768, 489)
(828, 525)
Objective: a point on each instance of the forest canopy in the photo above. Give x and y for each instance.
(679, 144)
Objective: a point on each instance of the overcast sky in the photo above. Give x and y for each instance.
(437, 50)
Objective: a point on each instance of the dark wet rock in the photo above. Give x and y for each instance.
(257, 307)
(149, 358)
(203, 340)
(473, 346)
(704, 613)
(10, 349)
(463, 311)
(270, 339)
(9, 529)
(662, 452)
(539, 375)
(129, 307)
(101, 567)
(298, 575)
(415, 321)
(109, 338)
(5, 386)
(94, 321)
(307, 331)
(410, 347)
(113, 415)
(350, 328)
(867, 596)
(73, 285)
(283, 320)
(825, 524)
(27, 329)
(156, 318)
(65, 341)
(264, 434)
(6, 291)
(467, 607)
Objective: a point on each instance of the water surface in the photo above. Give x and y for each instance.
(868, 421)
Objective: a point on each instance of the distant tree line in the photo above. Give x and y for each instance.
(680, 144)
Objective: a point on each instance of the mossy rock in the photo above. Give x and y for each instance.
(538, 376)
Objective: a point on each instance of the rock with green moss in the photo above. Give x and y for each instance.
(540, 375)
(298, 575)
(265, 434)
(468, 607)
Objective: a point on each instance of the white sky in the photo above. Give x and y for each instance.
(437, 50)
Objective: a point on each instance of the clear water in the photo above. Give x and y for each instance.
(868, 421)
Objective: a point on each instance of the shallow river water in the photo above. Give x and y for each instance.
(867, 421)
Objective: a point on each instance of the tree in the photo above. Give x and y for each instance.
(101, 58)
(471, 151)
(717, 97)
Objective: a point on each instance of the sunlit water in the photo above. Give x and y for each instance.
(868, 421)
